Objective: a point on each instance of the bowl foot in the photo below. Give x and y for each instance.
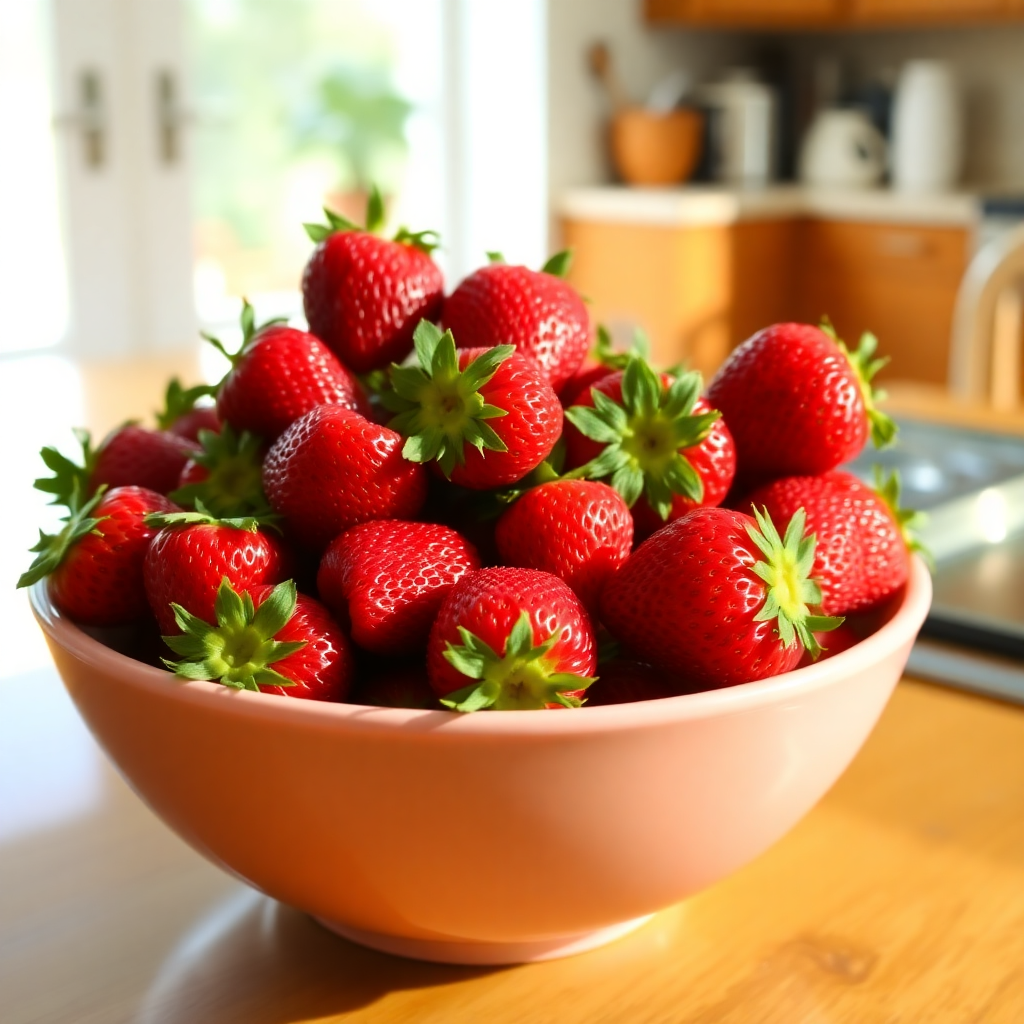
(469, 952)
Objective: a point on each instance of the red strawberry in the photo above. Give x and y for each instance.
(278, 375)
(182, 415)
(511, 639)
(389, 577)
(333, 469)
(798, 402)
(624, 682)
(658, 443)
(486, 415)
(718, 598)
(193, 552)
(538, 312)
(363, 295)
(225, 478)
(268, 639)
(861, 557)
(578, 530)
(95, 562)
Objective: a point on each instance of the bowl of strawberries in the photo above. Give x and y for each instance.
(476, 647)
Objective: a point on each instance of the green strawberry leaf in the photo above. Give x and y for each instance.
(70, 480)
(51, 549)
(910, 521)
(559, 264)
(178, 401)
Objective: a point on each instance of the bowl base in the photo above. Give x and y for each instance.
(469, 952)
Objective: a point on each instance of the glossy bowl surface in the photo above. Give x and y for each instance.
(496, 837)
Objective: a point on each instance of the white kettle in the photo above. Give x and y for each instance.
(842, 149)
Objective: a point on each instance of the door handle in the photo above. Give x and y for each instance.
(90, 118)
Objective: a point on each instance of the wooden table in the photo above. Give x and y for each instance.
(900, 898)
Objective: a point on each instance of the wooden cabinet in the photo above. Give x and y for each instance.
(697, 291)
(899, 281)
(700, 290)
(806, 14)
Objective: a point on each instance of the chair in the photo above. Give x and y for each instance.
(985, 363)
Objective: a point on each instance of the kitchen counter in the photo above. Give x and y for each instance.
(700, 205)
(900, 897)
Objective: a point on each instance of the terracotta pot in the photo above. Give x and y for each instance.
(649, 148)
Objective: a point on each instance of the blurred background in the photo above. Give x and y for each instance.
(716, 165)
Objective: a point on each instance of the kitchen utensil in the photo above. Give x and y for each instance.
(649, 148)
(741, 130)
(493, 837)
(842, 149)
(599, 60)
(927, 129)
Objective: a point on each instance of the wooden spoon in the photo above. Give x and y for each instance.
(599, 60)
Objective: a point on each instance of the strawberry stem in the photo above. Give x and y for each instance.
(786, 572)
(909, 520)
(522, 678)
(250, 330)
(70, 481)
(239, 650)
(178, 401)
(52, 549)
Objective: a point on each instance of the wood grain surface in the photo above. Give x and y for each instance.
(899, 898)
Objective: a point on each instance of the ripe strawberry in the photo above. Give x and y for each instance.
(486, 415)
(95, 562)
(193, 552)
(388, 579)
(511, 639)
(182, 415)
(578, 530)
(226, 476)
(863, 542)
(267, 639)
(130, 456)
(658, 443)
(363, 295)
(718, 598)
(278, 375)
(537, 311)
(333, 469)
(798, 402)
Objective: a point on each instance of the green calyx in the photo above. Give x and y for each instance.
(606, 354)
(179, 400)
(239, 650)
(70, 480)
(203, 516)
(865, 366)
(521, 679)
(439, 409)
(786, 572)
(51, 549)
(646, 435)
(557, 265)
(234, 486)
(250, 329)
(910, 521)
(425, 241)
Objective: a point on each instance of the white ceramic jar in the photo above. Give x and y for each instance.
(927, 128)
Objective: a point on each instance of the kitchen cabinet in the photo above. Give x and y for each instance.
(697, 291)
(806, 14)
(899, 281)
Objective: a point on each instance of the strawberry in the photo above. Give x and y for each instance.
(95, 563)
(624, 681)
(130, 456)
(226, 476)
(193, 552)
(363, 295)
(578, 530)
(267, 639)
(486, 415)
(511, 639)
(658, 443)
(863, 539)
(388, 579)
(278, 375)
(536, 311)
(798, 402)
(182, 415)
(718, 598)
(333, 469)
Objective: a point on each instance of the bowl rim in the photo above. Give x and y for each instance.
(738, 699)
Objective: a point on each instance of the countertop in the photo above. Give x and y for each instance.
(899, 898)
(695, 205)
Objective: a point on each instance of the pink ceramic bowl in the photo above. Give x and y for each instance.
(496, 837)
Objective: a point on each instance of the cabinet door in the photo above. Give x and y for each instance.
(918, 12)
(746, 12)
(898, 281)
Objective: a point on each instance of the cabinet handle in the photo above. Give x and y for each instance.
(90, 118)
